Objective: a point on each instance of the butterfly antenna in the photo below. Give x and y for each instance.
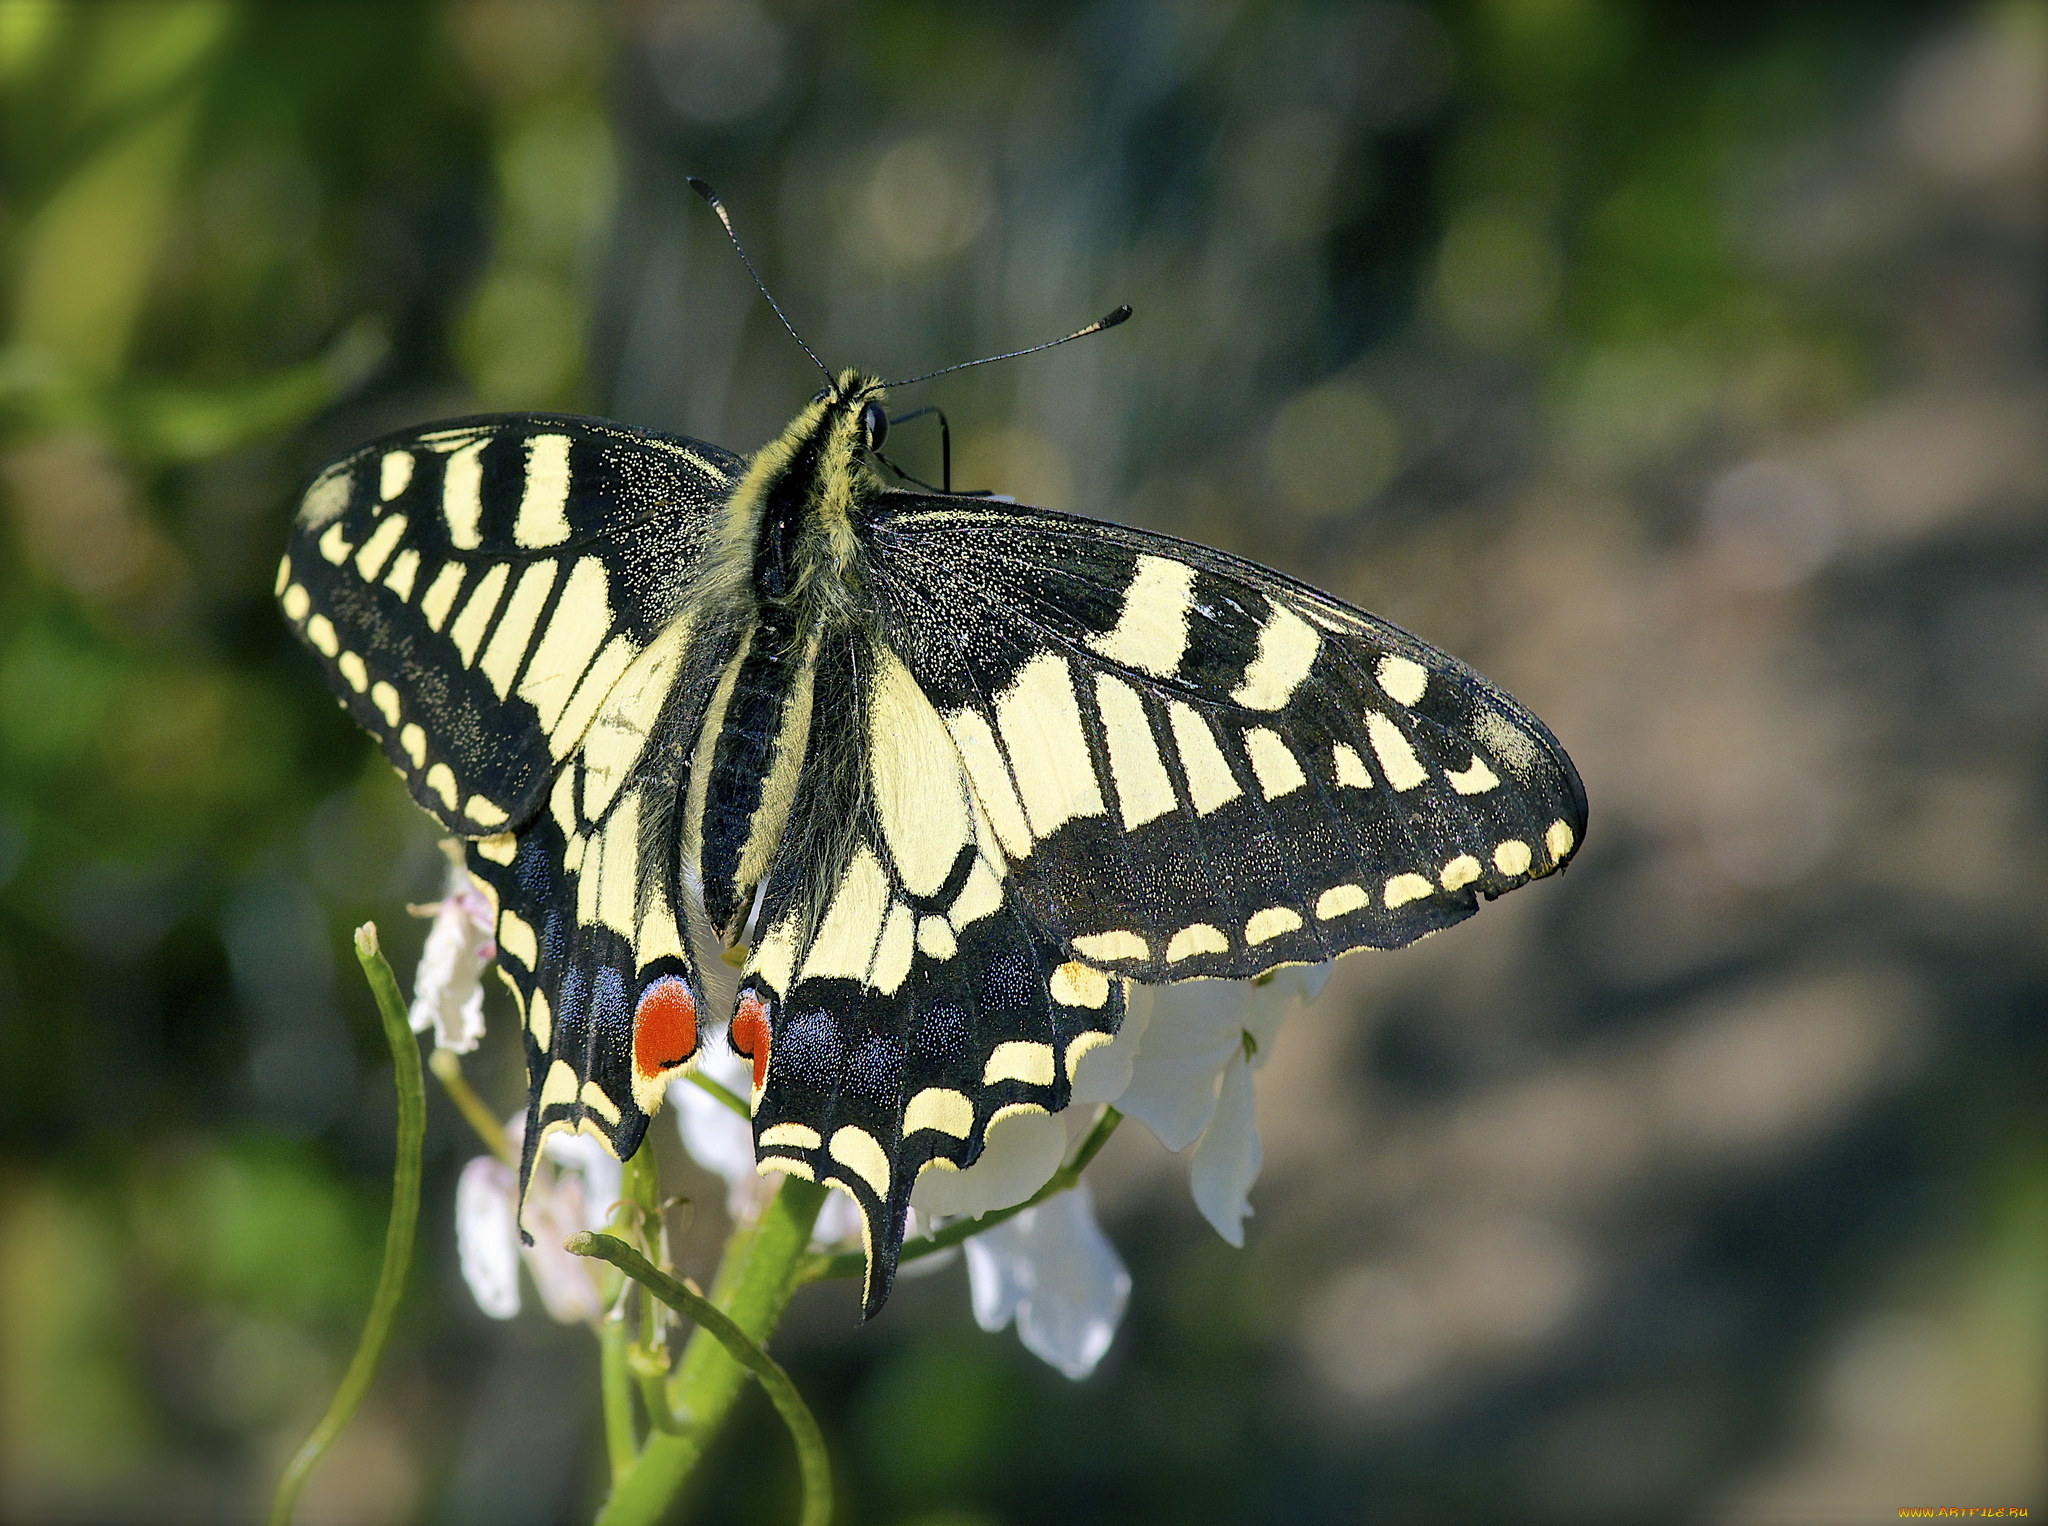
(725, 218)
(945, 446)
(1108, 322)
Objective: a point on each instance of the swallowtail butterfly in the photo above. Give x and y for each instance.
(952, 771)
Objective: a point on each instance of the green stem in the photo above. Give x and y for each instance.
(640, 1214)
(447, 1069)
(398, 1233)
(854, 1263)
(752, 1287)
(615, 1384)
(725, 1094)
(803, 1429)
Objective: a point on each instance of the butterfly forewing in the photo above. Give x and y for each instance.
(1197, 766)
(500, 602)
(476, 589)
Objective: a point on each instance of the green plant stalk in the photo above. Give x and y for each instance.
(753, 1285)
(615, 1387)
(725, 1094)
(853, 1264)
(640, 1210)
(712, 1320)
(398, 1233)
(447, 1069)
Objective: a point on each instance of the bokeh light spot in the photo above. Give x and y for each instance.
(1497, 275)
(1332, 448)
(925, 200)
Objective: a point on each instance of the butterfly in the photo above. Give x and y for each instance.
(951, 771)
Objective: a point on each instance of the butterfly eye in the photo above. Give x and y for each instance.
(823, 393)
(875, 425)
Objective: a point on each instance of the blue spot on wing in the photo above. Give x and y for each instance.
(808, 1054)
(940, 1037)
(608, 1009)
(874, 1075)
(1010, 983)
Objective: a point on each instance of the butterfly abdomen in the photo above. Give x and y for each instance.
(755, 737)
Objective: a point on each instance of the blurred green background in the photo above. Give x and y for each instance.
(1683, 368)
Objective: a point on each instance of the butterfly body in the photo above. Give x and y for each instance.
(793, 583)
(951, 771)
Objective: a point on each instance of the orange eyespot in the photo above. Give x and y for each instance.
(750, 1034)
(664, 1027)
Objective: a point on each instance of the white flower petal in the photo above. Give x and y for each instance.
(996, 1274)
(1226, 1158)
(487, 1234)
(1021, 1153)
(1191, 1031)
(432, 976)
(1307, 980)
(1193, 1078)
(447, 988)
(1283, 993)
(1079, 1286)
(567, 1283)
(466, 1031)
(595, 1180)
(575, 1187)
(1055, 1272)
(1104, 1073)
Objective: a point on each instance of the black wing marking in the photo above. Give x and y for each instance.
(1198, 766)
(896, 1011)
(475, 589)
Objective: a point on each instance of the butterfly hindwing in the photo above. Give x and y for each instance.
(593, 917)
(573, 984)
(474, 590)
(1197, 766)
(893, 1016)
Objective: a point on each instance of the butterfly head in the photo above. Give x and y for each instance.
(859, 397)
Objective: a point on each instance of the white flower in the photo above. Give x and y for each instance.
(487, 1234)
(575, 1187)
(1019, 1154)
(1182, 1064)
(1053, 1270)
(1192, 1077)
(447, 988)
